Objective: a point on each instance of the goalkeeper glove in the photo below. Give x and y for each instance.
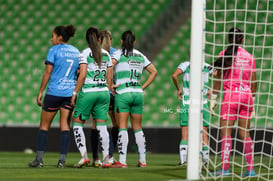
(213, 103)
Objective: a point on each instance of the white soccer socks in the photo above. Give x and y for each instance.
(80, 139)
(141, 145)
(103, 138)
(122, 145)
(183, 150)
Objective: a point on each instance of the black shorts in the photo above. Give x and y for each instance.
(53, 103)
(112, 102)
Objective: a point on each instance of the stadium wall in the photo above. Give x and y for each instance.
(158, 140)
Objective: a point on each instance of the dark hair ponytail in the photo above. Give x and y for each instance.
(65, 31)
(235, 37)
(128, 38)
(92, 38)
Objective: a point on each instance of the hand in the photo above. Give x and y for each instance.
(114, 87)
(179, 94)
(39, 98)
(73, 100)
(213, 103)
(208, 94)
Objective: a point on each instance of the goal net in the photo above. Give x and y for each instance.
(255, 19)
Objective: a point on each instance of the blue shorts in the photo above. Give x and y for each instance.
(53, 103)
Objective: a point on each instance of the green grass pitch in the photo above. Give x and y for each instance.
(161, 167)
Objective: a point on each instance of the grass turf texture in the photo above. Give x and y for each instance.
(13, 166)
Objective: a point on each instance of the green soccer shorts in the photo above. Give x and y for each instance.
(132, 102)
(184, 114)
(95, 103)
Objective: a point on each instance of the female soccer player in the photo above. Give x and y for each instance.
(106, 41)
(184, 96)
(60, 78)
(129, 101)
(95, 79)
(237, 70)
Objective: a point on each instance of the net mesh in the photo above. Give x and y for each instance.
(255, 18)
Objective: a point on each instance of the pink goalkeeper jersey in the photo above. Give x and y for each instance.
(239, 76)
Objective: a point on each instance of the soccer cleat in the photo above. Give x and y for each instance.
(82, 162)
(106, 162)
(97, 163)
(61, 164)
(119, 165)
(250, 173)
(221, 172)
(112, 160)
(37, 164)
(181, 164)
(141, 164)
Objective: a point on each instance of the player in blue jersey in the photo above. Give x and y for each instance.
(60, 78)
(106, 42)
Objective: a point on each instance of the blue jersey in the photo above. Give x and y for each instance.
(64, 59)
(112, 50)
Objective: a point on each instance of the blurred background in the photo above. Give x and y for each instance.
(162, 29)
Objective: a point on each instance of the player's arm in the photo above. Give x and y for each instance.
(113, 87)
(152, 74)
(175, 76)
(253, 83)
(217, 83)
(80, 82)
(45, 79)
(109, 77)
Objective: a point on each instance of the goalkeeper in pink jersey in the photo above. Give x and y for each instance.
(237, 70)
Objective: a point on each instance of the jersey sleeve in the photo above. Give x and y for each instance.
(116, 55)
(50, 56)
(82, 58)
(147, 62)
(183, 66)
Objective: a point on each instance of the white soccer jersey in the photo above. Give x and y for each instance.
(96, 78)
(128, 70)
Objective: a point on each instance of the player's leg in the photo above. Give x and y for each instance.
(139, 138)
(122, 109)
(183, 146)
(113, 136)
(136, 122)
(81, 113)
(94, 137)
(244, 125)
(205, 147)
(99, 113)
(50, 108)
(65, 119)
(247, 145)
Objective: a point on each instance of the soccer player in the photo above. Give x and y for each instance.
(92, 92)
(237, 70)
(60, 78)
(184, 96)
(129, 100)
(106, 41)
